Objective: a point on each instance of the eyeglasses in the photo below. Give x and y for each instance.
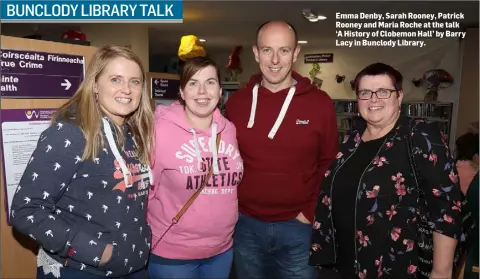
(381, 94)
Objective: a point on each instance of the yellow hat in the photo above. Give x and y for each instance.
(190, 47)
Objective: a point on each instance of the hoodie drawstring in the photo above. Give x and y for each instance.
(197, 150)
(150, 175)
(251, 120)
(113, 146)
(213, 148)
(281, 115)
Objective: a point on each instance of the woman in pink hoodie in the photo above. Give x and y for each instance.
(200, 244)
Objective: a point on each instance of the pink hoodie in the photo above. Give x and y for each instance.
(206, 229)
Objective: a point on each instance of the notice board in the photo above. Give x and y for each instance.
(19, 104)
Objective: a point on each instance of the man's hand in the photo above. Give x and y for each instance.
(301, 218)
(107, 254)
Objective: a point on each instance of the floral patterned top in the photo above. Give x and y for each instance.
(386, 201)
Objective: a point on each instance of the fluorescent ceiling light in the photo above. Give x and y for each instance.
(311, 16)
(315, 19)
(202, 40)
(302, 42)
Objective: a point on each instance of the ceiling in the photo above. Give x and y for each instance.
(225, 24)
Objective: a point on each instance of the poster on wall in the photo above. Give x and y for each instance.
(33, 74)
(318, 58)
(21, 129)
(164, 88)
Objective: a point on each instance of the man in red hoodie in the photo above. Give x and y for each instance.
(287, 135)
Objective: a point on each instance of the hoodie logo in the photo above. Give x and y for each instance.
(302, 122)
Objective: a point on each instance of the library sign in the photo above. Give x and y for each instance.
(163, 88)
(318, 58)
(31, 74)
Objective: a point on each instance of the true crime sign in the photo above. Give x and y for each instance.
(31, 74)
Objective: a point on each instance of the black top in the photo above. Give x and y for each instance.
(384, 211)
(345, 190)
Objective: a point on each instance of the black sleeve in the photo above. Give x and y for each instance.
(48, 174)
(439, 178)
(322, 250)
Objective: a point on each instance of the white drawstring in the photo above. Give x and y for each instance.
(251, 120)
(118, 157)
(213, 148)
(197, 150)
(150, 175)
(281, 115)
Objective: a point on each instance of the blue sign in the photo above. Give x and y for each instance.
(80, 11)
(32, 74)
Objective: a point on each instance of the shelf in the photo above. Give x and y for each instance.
(438, 112)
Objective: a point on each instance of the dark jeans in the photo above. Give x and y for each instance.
(272, 249)
(216, 267)
(72, 273)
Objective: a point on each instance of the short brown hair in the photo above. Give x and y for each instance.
(191, 67)
(377, 69)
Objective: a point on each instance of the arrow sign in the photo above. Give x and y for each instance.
(32, 74)
(67, 84)
(165, 88)
(31, 86)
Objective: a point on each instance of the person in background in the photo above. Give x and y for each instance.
(471, 268)
(467, 147)
(365, 220)
(467, 158)
(83, 194)
(287, 133)
(200, 244)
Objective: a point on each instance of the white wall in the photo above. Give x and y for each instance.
(411, 62)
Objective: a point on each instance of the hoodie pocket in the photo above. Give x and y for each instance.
(208, 219)
(130, 251)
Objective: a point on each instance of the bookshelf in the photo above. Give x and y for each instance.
(437, 112)
(228, 87)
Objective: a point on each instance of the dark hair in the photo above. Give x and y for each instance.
(467, 146)
(191, 67)
(377, 69)
(265, 23)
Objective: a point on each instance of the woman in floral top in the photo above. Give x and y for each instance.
(365, 222)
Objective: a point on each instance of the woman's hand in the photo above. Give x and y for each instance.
(440, 275)
(107, 254)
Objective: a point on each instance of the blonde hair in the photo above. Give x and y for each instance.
(84, 110)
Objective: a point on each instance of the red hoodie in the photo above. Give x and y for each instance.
(283, 167)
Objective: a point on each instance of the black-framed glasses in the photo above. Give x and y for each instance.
(381, 93)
